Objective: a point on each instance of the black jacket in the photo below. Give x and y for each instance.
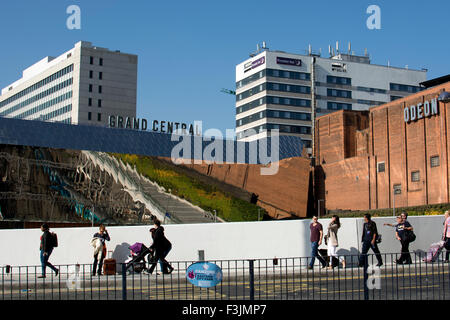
(46, 241)
(372, 228)
(160, 242)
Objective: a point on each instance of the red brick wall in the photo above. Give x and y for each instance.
(282, 195)
(403, 147)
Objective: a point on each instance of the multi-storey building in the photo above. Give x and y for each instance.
(279, 90)
(82, 86)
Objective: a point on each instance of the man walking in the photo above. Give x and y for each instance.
(316, 241)
(369, 236)
(46, 249)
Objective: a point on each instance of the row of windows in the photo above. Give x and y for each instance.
(68, 121)
(338, 106)
(274, 87)
(405, 88)
(91, 75)
(99, 116)
(45, 105)
(37, 85)
(339, 93)
(273, 73)
(339, 80)
(91, 88)
(91, 61)
(288, 88)
(395, 98)
(99, 102)
(274, 100)
(274, 114)
(272, 126)
(57, 113)
(415, 175)
(370, 102)
(372, 90)
(38, 97)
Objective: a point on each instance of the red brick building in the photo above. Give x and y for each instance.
(361, 157)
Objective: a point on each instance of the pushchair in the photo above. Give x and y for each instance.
(137, 259)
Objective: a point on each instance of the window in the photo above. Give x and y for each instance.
(89, 116)
(100, 61)
(434, 161)
(91, 61)
(91, 74)
(99, 117)
(99, 104)
(90, 102)
(397, 188)
(90, 88)
(380, 167)
(100, 75)
(99, 89)
(415, 176)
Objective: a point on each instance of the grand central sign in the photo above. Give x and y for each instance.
(420, 111)
(120, 122)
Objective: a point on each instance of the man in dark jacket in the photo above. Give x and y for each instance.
(368, 239)
(161, 246)
(46, 249)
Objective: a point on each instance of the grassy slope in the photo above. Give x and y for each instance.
(205, 196)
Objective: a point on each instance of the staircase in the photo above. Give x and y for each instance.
(168, 208)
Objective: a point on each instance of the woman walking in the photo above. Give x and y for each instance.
(161, 246)
(446, 235)
(332, 240)
(402, 229)
(46, 249)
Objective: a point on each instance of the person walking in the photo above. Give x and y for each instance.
(46, 248)
(316, 240)
(446, 235)
(161, 246)
(100, 238)
(402, 230)
(332, 241)
(368, 239)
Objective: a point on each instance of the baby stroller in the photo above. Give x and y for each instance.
(137, 259)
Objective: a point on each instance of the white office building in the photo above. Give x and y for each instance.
(279, 90)
(81, 86)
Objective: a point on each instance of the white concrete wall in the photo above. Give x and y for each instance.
(220, 241)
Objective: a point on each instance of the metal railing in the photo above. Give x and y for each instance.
(256, 279)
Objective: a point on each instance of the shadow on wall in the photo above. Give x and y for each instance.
(120, 254)
(351, 258)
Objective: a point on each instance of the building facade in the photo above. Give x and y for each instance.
(84, 85)
(279, 90)
(394, 155)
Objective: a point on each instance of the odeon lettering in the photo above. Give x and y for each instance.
(155, 125)
(420, 111)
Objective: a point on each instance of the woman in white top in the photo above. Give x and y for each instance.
(332, 240)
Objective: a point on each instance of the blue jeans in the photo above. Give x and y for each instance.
(315, 253)
(45, 263)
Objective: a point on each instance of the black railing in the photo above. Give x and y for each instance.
(258, 279)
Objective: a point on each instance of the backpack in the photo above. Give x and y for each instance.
(54, 239)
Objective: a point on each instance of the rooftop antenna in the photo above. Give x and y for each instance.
(257, 48)
(329, 50)
(337, 47)
(389, 63)
(309, 49)
(264, 45)
(365, 52)
(349, 47)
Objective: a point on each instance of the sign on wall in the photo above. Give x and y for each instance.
(420, 111)
(289, 61)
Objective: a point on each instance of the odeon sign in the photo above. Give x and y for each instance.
(161, 126)
(420, 111)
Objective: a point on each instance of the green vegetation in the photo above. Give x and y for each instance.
(428, 210)
(205, 196)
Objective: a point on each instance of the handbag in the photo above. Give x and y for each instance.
(410, 236)
(378, 238)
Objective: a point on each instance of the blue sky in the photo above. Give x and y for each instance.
(188, 49)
